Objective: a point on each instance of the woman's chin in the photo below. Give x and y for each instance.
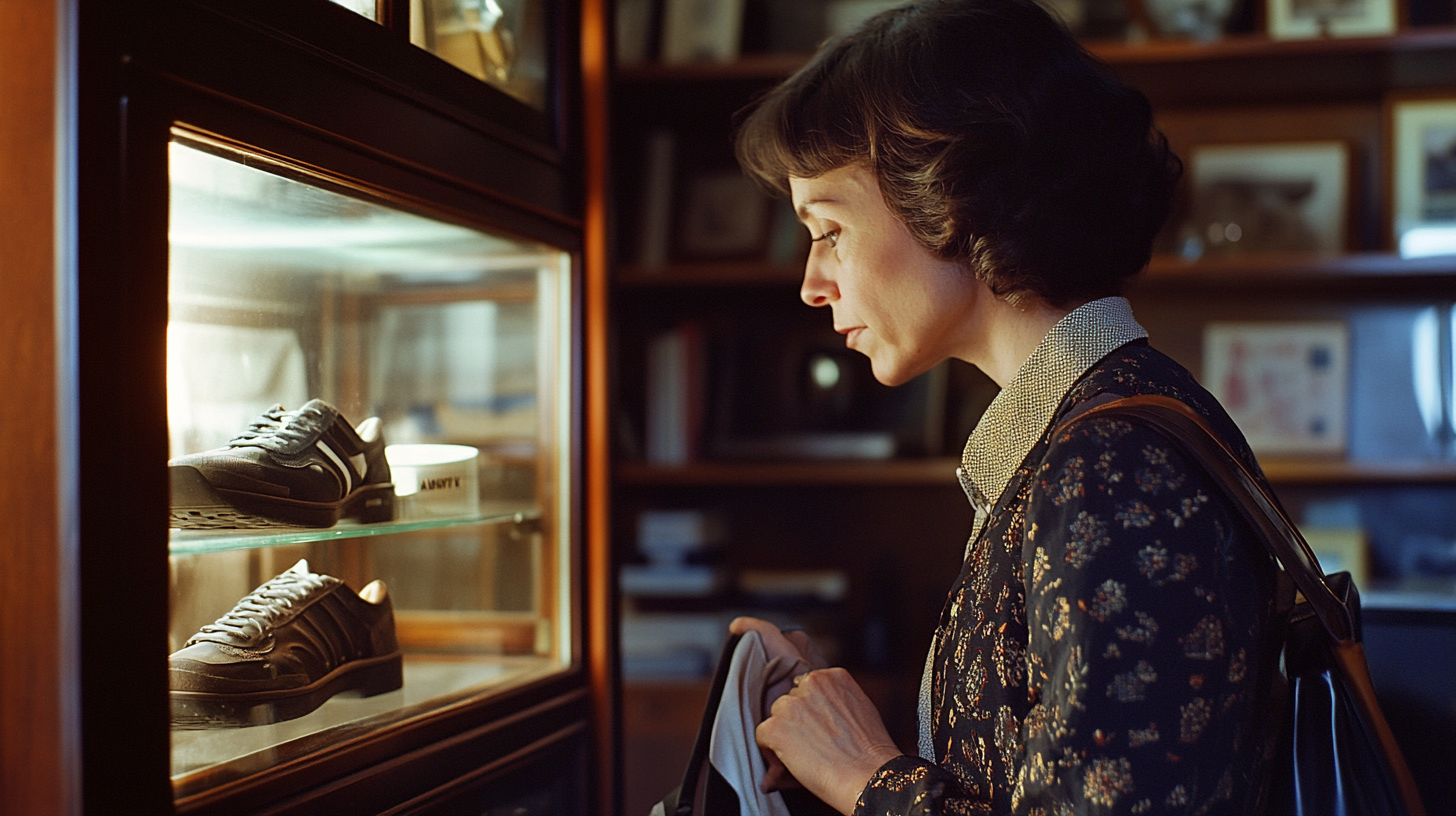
(893, 373)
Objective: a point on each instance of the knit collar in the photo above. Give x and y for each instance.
(1018, 416)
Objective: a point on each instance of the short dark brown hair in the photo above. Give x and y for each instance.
(996, 138)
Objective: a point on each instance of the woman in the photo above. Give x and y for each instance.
(976, 186)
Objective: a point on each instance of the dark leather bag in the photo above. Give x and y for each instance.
(1336, 755)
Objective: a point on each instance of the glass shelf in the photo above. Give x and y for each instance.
(196, 542)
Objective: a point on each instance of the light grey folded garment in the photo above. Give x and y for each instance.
(755, 680)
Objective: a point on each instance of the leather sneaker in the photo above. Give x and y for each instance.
(286, 648)
(307, 468)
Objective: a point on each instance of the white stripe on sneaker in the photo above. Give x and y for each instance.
(339, 463)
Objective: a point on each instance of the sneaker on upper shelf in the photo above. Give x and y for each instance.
(307, 468)
(285, 649)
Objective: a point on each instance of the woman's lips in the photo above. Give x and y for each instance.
(850, 334)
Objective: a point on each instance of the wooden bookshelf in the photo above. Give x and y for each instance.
(941, 471)
(1241, 48)
(1345, 471)
(711, 273)
(1382, 269)
(1255, 46)
(937, 471)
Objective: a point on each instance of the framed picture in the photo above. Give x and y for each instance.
(1268, 197)
(1304, 19)
(1422, 174)
(843, 16)
(701, 30)
(723, 215)
(1284, 384)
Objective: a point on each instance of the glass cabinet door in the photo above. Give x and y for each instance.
(503, 42)
(368, 410)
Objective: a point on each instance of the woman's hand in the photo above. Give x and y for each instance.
(824, 734)
(788, 645)
(795, 651)
(829, 736)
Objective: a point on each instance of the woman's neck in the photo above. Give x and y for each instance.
(1010, 333)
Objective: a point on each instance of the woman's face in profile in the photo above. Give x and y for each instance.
(892, 299)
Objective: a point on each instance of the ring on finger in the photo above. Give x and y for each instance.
(800, 678)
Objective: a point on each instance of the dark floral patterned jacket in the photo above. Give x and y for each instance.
(1104, 648)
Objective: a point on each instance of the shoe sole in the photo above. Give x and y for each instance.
(195, 710)
(198, 505)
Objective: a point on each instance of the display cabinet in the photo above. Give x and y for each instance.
(335, 293)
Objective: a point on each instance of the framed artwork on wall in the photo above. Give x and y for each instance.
(1267, 197)
(1284, 383)
(1422, 177)
(1305, 19)
(701, 30)
(723, 215)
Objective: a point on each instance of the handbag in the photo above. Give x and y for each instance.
(1335, 754)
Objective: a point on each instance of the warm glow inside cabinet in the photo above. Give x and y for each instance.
(331, 334)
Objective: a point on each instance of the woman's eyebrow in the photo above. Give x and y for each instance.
(803, 209)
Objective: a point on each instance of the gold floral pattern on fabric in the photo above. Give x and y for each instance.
(1138, 737)
(1144, 631)
(1103, 648)
(1111, 598)
(1105, 780)
(1132, 686)
(1086, 535)
(1195, 719)
(1158, 566)
(1205, 642)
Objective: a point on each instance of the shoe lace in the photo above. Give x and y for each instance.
(277, 429)
(254, 617)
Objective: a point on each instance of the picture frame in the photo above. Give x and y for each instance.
(723, 215)
(1268, 197)
(701, 30)
(1421, 173)
(1285, 384)
(1309, 19)
(843, 16)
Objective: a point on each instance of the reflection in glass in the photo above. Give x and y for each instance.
(285, 288)
(366, 8)
(500, 41)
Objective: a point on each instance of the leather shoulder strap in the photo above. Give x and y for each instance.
(1259, 508)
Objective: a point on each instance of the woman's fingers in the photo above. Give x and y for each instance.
(829, 736)
(801, 641)
(775, 642)
(776, 777)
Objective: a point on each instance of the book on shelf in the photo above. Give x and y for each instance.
(701, 30)
(675, 395)
(659, 156)
(671, 580)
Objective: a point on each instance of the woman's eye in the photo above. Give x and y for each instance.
(831, 238)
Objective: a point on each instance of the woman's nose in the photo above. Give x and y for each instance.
(818, 288)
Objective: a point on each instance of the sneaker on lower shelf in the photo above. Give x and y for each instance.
(306, 468)
(285, 649)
